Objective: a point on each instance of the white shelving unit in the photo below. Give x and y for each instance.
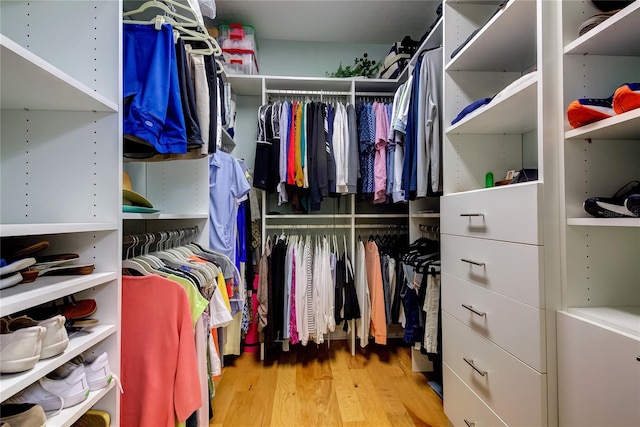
(60, 168)
(601, 293)
(500, 245)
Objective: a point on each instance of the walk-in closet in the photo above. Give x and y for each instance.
(319, 213)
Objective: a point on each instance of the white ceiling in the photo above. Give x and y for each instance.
(334, 21)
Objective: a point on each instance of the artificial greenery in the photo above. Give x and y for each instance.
(361, 67)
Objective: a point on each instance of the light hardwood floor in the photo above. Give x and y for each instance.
(320, 386)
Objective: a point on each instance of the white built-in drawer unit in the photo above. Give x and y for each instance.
(518, 328)
(511, 213)
(600, 366)
(511, 269)
(466, 408)
(514, 391)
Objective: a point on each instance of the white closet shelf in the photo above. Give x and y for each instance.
(374, 216)
(620, 319)
(164, 216)
(11, 230)
(29, 82)
(245, 84)
(10, 384)
(48, 288)
(228, 144)
(515, 114)
(506, 43)
(604, 222)
(618, 35)
(308, 83)
(425, 215)
(68, 416)
(621, 126)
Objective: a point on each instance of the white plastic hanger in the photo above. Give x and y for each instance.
(190, 19)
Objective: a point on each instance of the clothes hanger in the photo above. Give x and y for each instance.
(191, 20)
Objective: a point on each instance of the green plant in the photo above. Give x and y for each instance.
(361, 67)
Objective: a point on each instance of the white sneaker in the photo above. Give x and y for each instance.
(96, 368)
(55, 340)
(56, 394)
(20, 350)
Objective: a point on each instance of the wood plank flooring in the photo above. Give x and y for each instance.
(326, 386)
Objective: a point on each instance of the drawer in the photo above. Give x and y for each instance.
(511, 269)
(462, 406)
(598, 374)
(508, 213)
(513, 390)
(502, 320)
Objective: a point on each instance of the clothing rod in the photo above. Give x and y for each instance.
(307, 92)
(378, 94)
(369, 226)
(306, 226)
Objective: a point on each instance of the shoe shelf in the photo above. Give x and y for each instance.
(162, 216)
(11, 384)
(45, 289)
(617, 35)
(625, 319)
(68, 416)
(38, 77)
(622, 126)
(506, 42)
(14, 230)
(604, 222)
(515, 114)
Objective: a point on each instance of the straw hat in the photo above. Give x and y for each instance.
(130, 197)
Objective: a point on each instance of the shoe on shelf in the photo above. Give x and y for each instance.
(632, 203)
(55, 340)
(10, 280)
(589, 110)
(626, 98)
(93, 418)
(616, 206)
(20, 350)
(22, 415)
(96, 368)
(56, 394)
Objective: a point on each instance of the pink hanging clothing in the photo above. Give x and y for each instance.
(159, 363)
(380, 159)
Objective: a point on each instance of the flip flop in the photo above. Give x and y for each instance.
(67, 270)
(74, 310)
(56, 259)
(15, 266)
(10, 281)
(28, 250)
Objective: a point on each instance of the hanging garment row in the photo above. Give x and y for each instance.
(175, 103)
(386, 152)
(308, 285)
(176, 295)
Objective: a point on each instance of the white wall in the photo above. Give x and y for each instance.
(312, 59)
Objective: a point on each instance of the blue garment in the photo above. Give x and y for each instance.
(227, 184)
(367, 134)
(152, 105)
(470, 108)
(410, 166)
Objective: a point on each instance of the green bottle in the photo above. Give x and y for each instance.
(488, 180)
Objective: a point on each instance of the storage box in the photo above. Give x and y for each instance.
(237, 36)
(240, 61)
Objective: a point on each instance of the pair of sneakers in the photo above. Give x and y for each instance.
(589, 110)
(24, 341)
(625, 203)
(68, 385)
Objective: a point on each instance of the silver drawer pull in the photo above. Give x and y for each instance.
(473, 214)
(473, 310)
(469, 423)
(481, 264)
(475, 368)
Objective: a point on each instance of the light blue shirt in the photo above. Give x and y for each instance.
(227, 184)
